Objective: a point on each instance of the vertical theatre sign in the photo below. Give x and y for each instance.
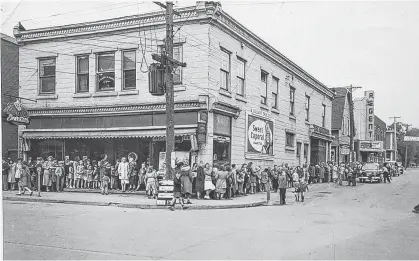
(259, 133)
(370, 114)
(15, 113)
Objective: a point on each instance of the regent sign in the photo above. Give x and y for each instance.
(16, 113)
(259, 135)
(411, 138)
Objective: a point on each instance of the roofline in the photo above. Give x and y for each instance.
(8, 38)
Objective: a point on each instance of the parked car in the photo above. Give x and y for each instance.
(400, 167)
(371, 172)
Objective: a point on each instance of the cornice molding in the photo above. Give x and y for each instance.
(113, 110)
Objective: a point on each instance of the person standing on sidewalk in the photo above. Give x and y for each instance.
(275, 175)
(386, 173)
(59, 171)
(5, 172)
(282, 185)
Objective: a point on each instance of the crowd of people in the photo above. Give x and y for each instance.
(220, 181)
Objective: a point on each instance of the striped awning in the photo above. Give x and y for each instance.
(92, 134)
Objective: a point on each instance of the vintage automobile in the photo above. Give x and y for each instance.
(400, 167)
(371, 172)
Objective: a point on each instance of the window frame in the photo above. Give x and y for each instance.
(123, 70)
(307, 108)
(105, 71)
(324, 116)
(40, 91)
(275, 96)
(293, 139)
(78, 74)
(223, 71)
(292, 101)
(241, 79)
(264, 99)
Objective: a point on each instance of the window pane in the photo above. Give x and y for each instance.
(276, 86)
(275, 100)
(223, 80)
(177, 75)
(129, 79)
(263, 76)
(222, 124)
(106, 62)
(48, 85)
(129, 60)
(225, 61)
(47, 67)
(177, 53)
(83, 83)
(240, 71)
(83, 64)
(106, 80)
(240, 86)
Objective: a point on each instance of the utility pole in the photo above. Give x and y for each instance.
(169, 63)
(395, 135)
(407, 145)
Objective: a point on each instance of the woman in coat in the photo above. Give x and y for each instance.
(208, 185)
(186, 180)
(48, 166)
(200, 180)
(221, 185)
(11, 175)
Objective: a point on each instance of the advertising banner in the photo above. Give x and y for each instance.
(411, 138)
(259, 135)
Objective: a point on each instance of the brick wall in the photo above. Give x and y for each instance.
(9, 85)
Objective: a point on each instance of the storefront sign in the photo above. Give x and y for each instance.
(320, 130)
(260, 113)
(259, 135)
(16, 113)
(370, 114)
(201, 132)
(178, 139)
(222, 139)
(371, 146)
(411, 138)
(106, 80)
(345, 150)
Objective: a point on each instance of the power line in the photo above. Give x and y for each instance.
(7, 19)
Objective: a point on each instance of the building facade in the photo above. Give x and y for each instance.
(342, 126)
(238, 99)
(9, 86)
(368, 147)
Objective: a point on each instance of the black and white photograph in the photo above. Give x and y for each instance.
(210, 130)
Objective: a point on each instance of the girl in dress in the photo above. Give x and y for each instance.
(96, 177)
(240, 179)
(221, 186)
(151, 180)
(79, 173)
(48, 166)
(11, 175)
(123, 173)
(89, 173)
(208, 185)
(70, 176)
(253, 178)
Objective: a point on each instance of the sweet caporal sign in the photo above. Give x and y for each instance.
(259, 135)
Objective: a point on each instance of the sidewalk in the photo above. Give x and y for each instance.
(132, 200)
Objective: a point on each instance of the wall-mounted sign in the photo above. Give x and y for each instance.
(260, 113)
(375, 146)
(411, 138)
(345, 150)
(106, 81)
(319, 130)
(259, 135)
(16, 113)
(370, 114)
(201, 134)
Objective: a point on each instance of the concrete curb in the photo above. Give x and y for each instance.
(124, 205)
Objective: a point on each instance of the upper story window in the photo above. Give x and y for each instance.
(307, 108)
(289, 139)
(292, 101)
(47, 75)
(105, 67)
(178, 56)
(82, 68)
(241, 76)
(225, 70)
(275, 93)
(263, 87)
(324, 116)
(129, 70)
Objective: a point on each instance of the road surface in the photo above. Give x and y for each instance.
(370, 221)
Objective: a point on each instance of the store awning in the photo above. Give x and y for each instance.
(100, 134)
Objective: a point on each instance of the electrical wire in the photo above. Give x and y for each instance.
(7, 19)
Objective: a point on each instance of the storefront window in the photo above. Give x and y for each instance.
(46, 148)
(221, 140)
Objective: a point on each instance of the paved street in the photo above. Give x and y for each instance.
(371, 221)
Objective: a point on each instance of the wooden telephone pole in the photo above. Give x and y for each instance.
(407, 145)
(395, 135)
(166, 59)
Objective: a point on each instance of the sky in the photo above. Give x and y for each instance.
(370, 44)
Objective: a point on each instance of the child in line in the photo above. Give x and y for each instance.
(89, 174)
(96, 176)
(177, 195)
(70, 177)
(79, 173)
(84, 176)
(114, 177)
(24, 181)
(105, 185)
(295, 180)
(54, 176)
(300, 190)
(264, 180)
(151, 187)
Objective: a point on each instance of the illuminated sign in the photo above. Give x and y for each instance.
(16, 113)
(370, 114)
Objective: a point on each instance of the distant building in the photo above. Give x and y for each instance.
(9, 85)
(342, 126)
(368, 148)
